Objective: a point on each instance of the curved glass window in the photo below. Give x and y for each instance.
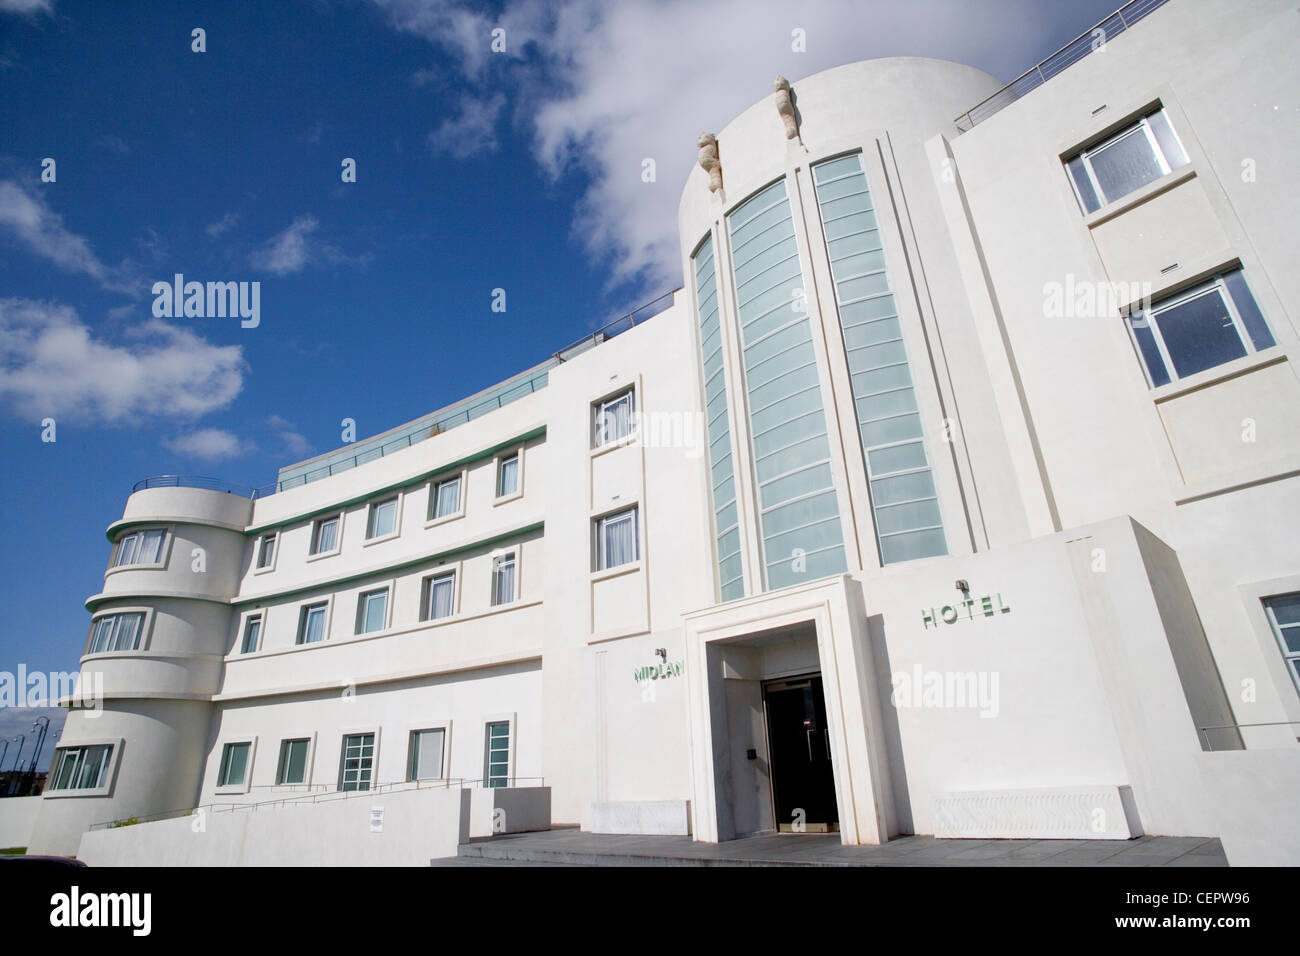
(904, 504)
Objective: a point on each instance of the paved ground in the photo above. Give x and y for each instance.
(569, 846)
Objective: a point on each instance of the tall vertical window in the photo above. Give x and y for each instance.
(508, 476)
(1202, 327)
(1125, 161)
(445, 498)
(904, 502)
(439, 596)
(311, 623)
(383, 519)
(265, 551)
(503, 578)
(616, 539)
(1284, 616)
(357, 762)
(81, 768)
(325, 535)
(116, 632)
(426, 754)
(372, 611)
(292, 767)
(252, 634)
(234, 764)
(726, 523)
(613, 419)
(798, 508)
(496, 757)
(139, 547)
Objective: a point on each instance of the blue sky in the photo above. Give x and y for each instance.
(476, 170)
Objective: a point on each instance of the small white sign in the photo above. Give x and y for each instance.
(376, 819)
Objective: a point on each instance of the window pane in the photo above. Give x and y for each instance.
(383, 519)
(1169, 144)
(1251, 318)
(616, 540)
(93, 767)
(1286, 609)
(327, 535)
(614, 419)
(508, 482)
(151, 546)
(503, 580)
(313, 628)
(497, 756)
(293, 762)
(266, 551)
(427, 755)
(234, 761)
(1199, 333)
(126, 550)
(1079, 176)
(252, 631)
(1125, 164)
(1149, 351)
(448, 498)
(441, 592)
(375, 607)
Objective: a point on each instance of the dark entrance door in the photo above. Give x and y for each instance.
(803, 782)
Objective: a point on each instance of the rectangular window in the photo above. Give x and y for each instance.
(1284, 616)
(1199, 328)
(503, 579)
(234, 764)
(357, 762)
(616, 539)
(1126, 161)
(265, 551)
(508, 476)
(116, 632)
(439, 596)
(325, 536)
(81, 768)
(252, 634)
(496, 758)
(445, 499)
(139, 547)
(372, 611)
(613, 418)
(383, 519)
(311, 623)
(293, 761)
(426, 754)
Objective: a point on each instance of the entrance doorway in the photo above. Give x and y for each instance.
(799, 747)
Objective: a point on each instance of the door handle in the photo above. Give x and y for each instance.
(827, 732)
(808, 736)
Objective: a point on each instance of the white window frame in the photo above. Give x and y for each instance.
(146, 629)
(445, 727)
(1141, 125)
(108, 775)
(598, 408)
(245, 620)
(1151, 318)
(301, 631)
(516, 553)
(597, 538)
(258, 544)
(512, 728)
(461, 476)
(163, 548)
(387, 589)
(396, 499)
(374, 757)
(426, 592)
(1287, 655)
(315, 531)
(247, 783)
(500, 458)
(310, 737)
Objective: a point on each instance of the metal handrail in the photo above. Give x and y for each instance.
(326, 796)
(195, 481)
(616, 326)
(1272, 723)
(1074, 51)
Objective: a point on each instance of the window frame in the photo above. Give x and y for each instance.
(312, 554)
(241, 639)
(598, 408)
(142, 640)
(1142, 123)
(303, 607)
(516, 452)
(373, 732)
(259, 543)
(246, 784)
(430, 518)
(514, 554)
(488, 721)
(598, 524)
(412, 752)
(426, 592)
(1290, 659)
(396, 500)
(108, 773)
(363, 594)
(310, 740)
(164, 547)
(1149, 315)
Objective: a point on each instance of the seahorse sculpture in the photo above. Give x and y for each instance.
(785, 106)
(709, 162)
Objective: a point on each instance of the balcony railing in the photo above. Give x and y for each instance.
(198, 481)
(1066, 56)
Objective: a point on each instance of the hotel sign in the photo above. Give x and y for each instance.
(967, 610)
(658, 671)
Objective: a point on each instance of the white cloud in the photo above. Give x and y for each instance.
(471, 131)
(28, 219)
(26, 7)
(51, 364)
(222, 226)
(209, 444)
(609, 85)
(287, 251)
(295, 444)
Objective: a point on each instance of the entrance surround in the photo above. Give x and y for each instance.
(832, 607)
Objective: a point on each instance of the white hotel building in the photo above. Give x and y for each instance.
(955, 493)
